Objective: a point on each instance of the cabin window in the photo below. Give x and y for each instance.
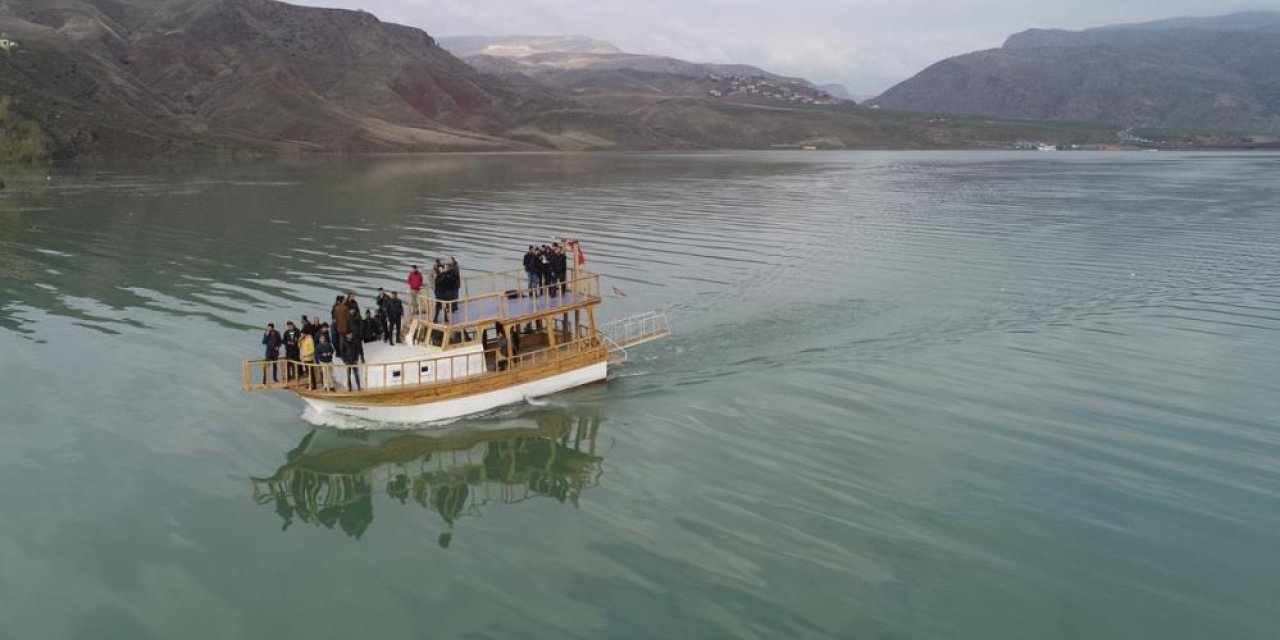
(460, 337)
(395, 374)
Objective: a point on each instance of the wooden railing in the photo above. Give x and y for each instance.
(484, 282)
(510, 298)
(257, 375)
(489, 282)
(548, 355)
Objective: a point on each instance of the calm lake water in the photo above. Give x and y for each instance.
(910, 395)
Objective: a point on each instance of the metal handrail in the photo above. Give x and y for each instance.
(616, 353)
(637, 329)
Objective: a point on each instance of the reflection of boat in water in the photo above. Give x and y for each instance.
(501, 343)
(331, 478)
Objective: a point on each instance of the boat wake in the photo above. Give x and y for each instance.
(334, 420)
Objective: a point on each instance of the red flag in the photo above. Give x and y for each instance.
(579, 258)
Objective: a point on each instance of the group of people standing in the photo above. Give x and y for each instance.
(318, 343)
(445, 284)
(546, 266)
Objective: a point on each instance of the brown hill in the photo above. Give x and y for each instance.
(1190, 72)
(247, 72)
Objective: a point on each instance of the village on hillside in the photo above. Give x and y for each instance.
(766, 87)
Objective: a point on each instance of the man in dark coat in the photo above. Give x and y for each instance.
(560, 267)
(544, 268)
(271, 339)
(324, 358)
(352, 305)
(440, 282)
(531, 267)
(291, 354)
(447, 285)
(395, 312)
(380, 303)
(455, 282)
(352, 355)
(336, 312)
(369, 327)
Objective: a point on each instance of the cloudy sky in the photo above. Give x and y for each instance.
(868, 45)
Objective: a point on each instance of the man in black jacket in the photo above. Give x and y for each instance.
(369, 327)
(455, 282)
(291, 354)
(272, 341)
(560, 265)
(324, 357)
(544, 269)
(395, 312)
(441, 290)
(352, 354)
(531, 267)
(381, 304)
(447, 285)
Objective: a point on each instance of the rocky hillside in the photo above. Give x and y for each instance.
(520, 46)
(1219, 72)
(245, 73)
(151, 77)
(579, 66)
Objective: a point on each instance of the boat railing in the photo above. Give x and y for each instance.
(503, 282)
(263, 375)
(637, 329)
(617, 354)
(487, 282)
(512, 299)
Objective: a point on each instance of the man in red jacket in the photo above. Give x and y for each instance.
(415, 286)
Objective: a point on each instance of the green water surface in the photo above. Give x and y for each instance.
(909, 395)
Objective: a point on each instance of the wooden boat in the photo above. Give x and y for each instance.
(452, 364)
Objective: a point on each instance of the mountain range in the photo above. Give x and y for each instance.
(1220, 72)
(148, 77)
(581, 66)
(580, 62)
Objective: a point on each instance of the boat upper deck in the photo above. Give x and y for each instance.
(504, 297)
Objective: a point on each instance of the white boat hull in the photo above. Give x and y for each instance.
(339, 413)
